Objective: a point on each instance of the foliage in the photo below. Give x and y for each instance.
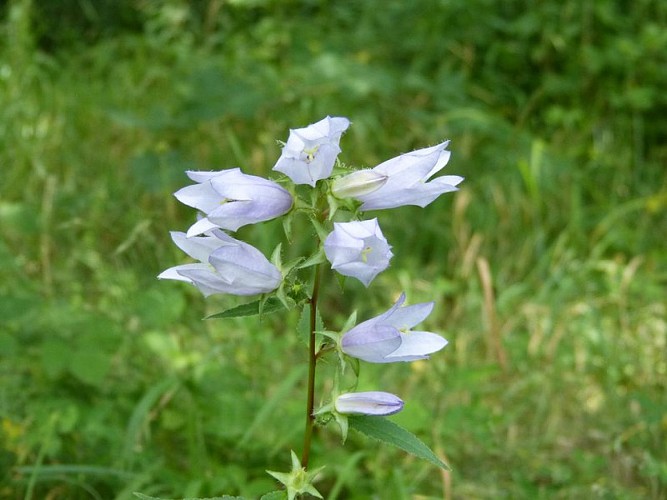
(550, 276)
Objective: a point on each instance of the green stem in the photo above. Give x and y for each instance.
(312, 359)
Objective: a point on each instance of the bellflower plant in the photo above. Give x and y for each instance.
(356, 247)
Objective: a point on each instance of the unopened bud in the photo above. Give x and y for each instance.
(358, 183)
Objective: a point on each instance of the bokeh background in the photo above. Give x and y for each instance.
(548, 268)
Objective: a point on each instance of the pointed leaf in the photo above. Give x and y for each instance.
(303, 326)
(389, 432)
(271, 305)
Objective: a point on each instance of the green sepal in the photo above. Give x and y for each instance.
(345, 360)
(284, 299)
(385, 430)
(350, 322)
(335, 336)
(317, 258)
(333, 205)
(287, 225)
(298, 481)
(321, 231)
(341, 280)
(343, 422)
(263, 306)
(275, 257)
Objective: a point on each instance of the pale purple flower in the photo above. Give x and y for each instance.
(408, 179)
(225, 265)
(358, 249)
(387, 338)
(230, 199)
(368, 403)
(310, 152)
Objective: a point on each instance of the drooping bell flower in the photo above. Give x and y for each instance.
(387, 338)
(230, 199)
(409, 179)
(358, 249)
(226, 265)
(368, 403)
(310, 152)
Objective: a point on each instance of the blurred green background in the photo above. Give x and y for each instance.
(549, 267)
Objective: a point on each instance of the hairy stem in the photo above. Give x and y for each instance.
(312, 359)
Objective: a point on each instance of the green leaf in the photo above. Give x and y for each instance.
(303, 326)
(389, 432)
(271, 305)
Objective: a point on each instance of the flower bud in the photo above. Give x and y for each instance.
(368, 403)
(357, 184)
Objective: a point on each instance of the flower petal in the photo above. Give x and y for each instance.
(416, 345)
(202, 226)
(370, 344)
(200, 196)
(406, 317)
(199, 247)
(174, 273)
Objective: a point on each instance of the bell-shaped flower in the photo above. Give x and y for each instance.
(408, 179)
(230, 199)
(387, 338)
(368, 403)
(225, 265)
(310, 152)
(358, 249)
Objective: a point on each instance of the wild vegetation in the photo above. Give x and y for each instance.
(548, 267)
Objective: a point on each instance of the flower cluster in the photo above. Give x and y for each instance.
(230, 199)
